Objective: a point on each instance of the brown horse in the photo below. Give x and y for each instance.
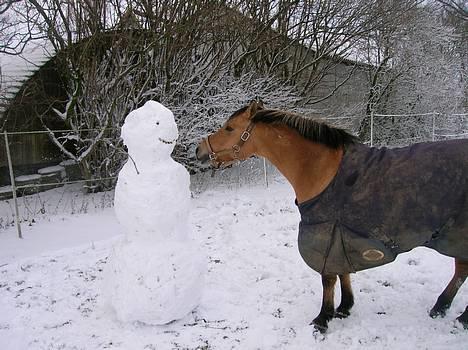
(360, 206)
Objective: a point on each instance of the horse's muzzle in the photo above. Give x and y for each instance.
(201, 155)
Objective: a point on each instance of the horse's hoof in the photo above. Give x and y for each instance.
(437, 312)
(463, 319)
(320, 324)
(342, 314)
(319, 328)
(464, 324)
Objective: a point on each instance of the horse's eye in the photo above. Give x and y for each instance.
(228, 128)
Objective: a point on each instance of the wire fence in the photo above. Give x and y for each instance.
(49, 176)
(421, 127)
(24, 199)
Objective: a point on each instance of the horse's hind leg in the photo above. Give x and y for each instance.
(347, 298)
(445, 299)
(328, 308)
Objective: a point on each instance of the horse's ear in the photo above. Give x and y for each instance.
(255, 106)
(260, 104)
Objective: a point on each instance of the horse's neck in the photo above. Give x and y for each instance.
(308, 166)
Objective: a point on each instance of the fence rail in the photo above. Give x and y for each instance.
(38, 132)
(64, 183)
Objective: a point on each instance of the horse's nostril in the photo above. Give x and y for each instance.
(200, 156)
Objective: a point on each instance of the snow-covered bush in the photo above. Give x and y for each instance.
(102, 95)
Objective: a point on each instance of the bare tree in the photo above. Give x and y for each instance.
(101, 98)
(457, 7)
(460, 24)
(416, 71)
(303, 42)
(18, 26)
(193, 55)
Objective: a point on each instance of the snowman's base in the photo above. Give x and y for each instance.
(153, 282)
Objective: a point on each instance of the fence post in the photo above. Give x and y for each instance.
(13, 186)
(265, 175)
(372, 128)
(433, 126)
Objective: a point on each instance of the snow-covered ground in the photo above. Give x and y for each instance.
(258, 293)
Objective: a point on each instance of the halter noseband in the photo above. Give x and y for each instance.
(234, 150)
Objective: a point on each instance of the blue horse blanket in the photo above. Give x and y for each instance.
(383, 202)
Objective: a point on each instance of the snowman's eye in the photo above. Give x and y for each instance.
(157, 123)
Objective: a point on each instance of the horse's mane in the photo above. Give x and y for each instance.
(309, 128)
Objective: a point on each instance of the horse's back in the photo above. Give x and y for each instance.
(421, 192)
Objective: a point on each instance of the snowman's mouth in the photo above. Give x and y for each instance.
(167, 142)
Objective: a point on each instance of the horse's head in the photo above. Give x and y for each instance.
(231, 142)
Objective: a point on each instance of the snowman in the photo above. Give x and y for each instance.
(155, 274)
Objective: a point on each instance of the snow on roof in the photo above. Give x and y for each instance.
(16, 69)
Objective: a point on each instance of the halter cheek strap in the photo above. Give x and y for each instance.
(233, 151)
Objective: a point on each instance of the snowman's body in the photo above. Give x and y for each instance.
(155, 273)
(143, 198)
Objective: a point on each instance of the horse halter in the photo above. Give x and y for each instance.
(234, 150)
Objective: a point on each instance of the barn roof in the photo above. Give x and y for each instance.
(16, 69)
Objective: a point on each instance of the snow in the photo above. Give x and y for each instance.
(258, 293)
(51, 170)
(27, 178)
(51, 235)
(155, 274)
(68, 162)
(153, 283)
(5, 189)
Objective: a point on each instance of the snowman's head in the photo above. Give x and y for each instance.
(150, 131)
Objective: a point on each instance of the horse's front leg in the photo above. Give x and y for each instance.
(347, 298)
(328, 308)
